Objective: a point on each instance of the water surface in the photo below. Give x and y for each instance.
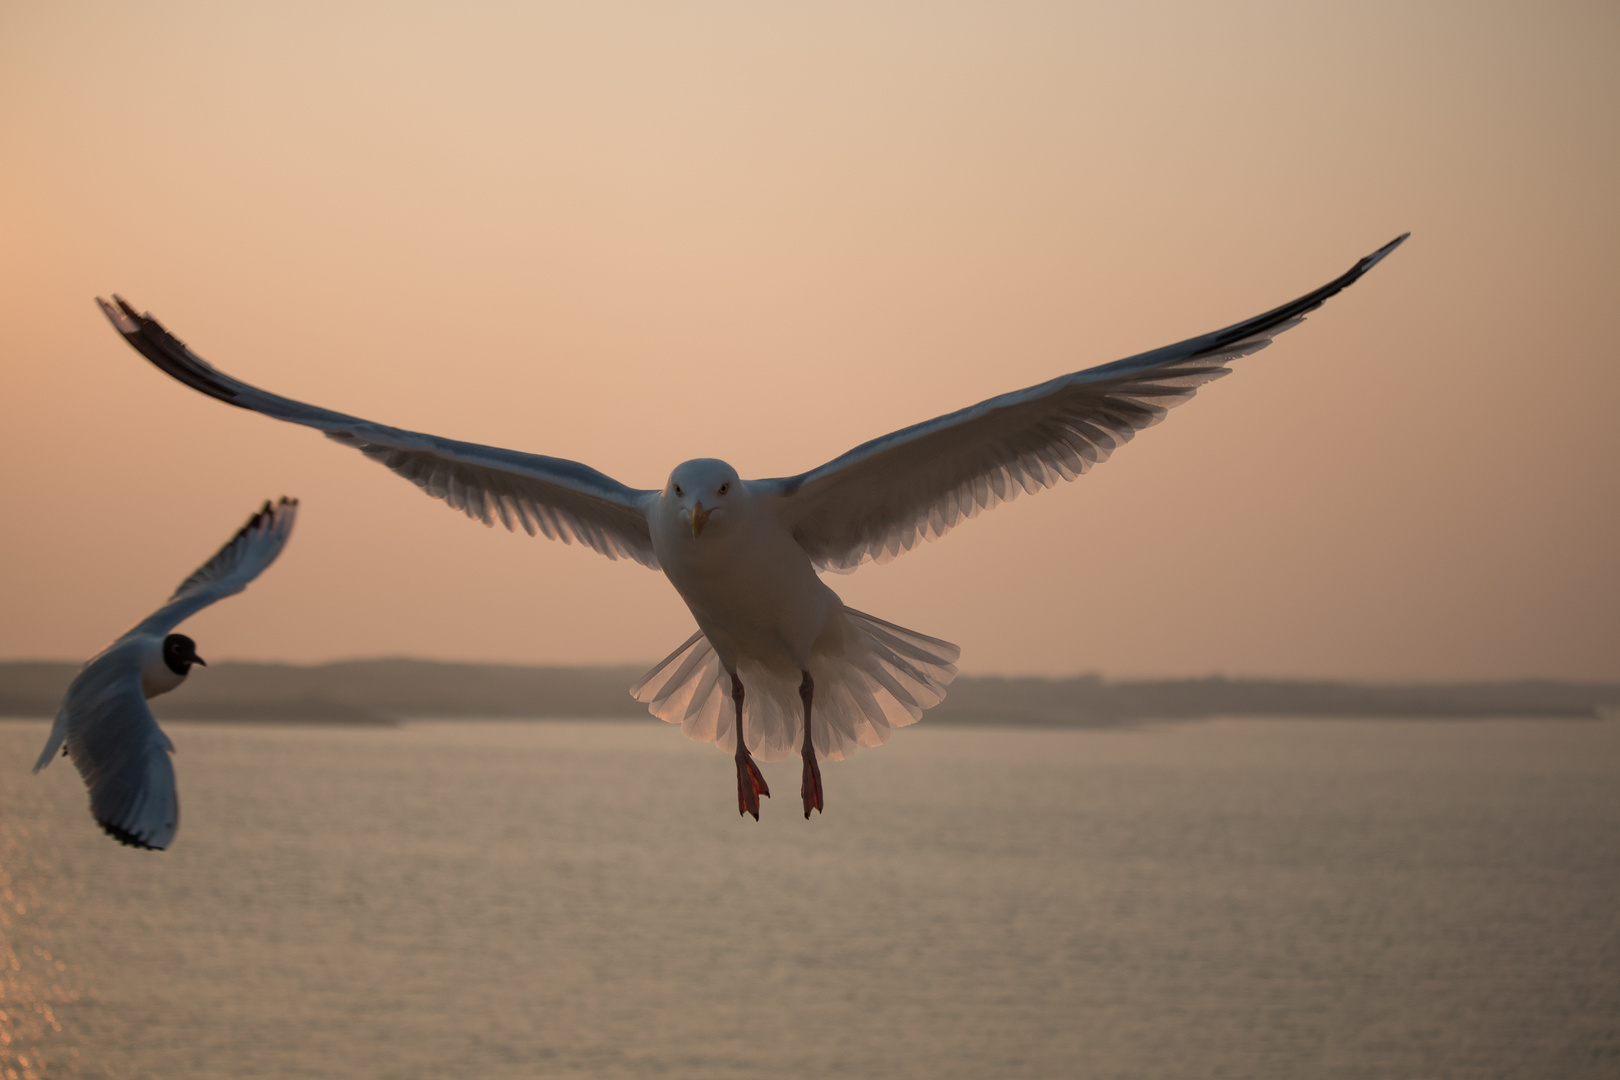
(1236, 898)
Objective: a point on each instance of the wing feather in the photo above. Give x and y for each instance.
(563, 499)
(243, 558)
(885, 496)
(119, 750)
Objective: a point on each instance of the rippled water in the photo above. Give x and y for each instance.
(1237, 898)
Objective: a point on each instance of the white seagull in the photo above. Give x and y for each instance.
(745, 554)
(103, 723)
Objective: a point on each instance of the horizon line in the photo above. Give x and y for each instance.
(1613, 680)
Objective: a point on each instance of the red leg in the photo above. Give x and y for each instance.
(810, 788)
(750, 781)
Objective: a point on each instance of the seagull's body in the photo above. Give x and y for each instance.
(777, 655)
(767, 622)
(104, 724)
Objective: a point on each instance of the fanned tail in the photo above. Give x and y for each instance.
(685, 688)
(870, 677)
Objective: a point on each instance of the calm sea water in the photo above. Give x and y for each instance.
(1234, 898)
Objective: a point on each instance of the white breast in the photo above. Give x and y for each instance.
(156, 676)
(750, 586)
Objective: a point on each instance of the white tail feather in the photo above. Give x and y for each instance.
(869, 679)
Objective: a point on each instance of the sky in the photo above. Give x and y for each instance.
(632, 234)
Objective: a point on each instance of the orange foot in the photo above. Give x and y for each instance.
(750, 784)
(810, 788)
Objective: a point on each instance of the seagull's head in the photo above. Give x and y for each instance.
(701, 489)
(179, 653)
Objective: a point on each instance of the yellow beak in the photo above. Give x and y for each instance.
(700, 518)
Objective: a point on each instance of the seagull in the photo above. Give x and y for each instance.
(103, 723)
(802, 670)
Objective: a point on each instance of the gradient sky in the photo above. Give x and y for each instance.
(631, 234)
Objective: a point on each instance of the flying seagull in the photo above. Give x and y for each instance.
(103, 723)
(803, 672)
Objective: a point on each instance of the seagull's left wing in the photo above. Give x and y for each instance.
(563, 499)
(118, 748)
(883, 497)
(247, 554)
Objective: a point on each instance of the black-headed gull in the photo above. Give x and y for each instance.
(104, 724)
(745, 554)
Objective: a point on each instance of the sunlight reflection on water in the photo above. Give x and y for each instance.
(508, 899)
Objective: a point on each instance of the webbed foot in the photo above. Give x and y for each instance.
(810, 789)
(750, 785)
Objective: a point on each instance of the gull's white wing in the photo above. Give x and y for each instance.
(247, 554)
(118, 748)
(563, 499)
(883, 497)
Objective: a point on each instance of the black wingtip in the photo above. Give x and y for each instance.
(125, 837)
(148, 337)
(1306, 304)
(261, 517)
(265, 516)
(1372, 260)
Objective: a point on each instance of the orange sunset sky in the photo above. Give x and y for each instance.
(631, 234)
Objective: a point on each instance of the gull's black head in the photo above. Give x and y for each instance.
(179, 653)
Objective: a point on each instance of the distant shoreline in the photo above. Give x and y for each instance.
(383, 692)
(386, 723)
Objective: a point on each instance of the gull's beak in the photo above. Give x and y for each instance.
(195, 659)
(700, 518)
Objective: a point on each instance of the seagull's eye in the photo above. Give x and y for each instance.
(678, 491)
(724, 486)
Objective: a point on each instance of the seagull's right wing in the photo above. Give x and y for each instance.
(247, 554)
(119, 750)
(563, 499)
(883, 497)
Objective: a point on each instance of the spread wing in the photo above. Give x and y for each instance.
(883, 497)
(247, 554)
(119, 750)
(563, 499)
